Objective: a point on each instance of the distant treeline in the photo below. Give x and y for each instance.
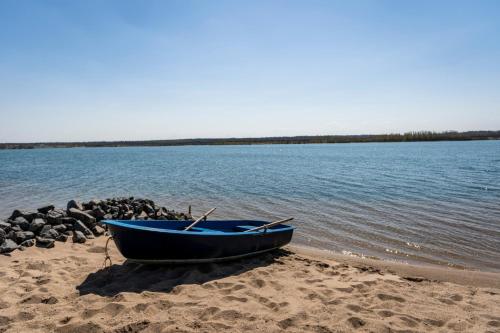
(396, 137)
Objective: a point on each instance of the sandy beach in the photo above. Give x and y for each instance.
(65, 289)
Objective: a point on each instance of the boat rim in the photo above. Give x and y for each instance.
(124, 224)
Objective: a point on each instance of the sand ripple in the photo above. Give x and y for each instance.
(65, 290)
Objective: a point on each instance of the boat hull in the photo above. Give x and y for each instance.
(150, 245)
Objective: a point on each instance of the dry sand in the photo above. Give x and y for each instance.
(65, 290)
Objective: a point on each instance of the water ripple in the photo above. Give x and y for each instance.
(412, 202)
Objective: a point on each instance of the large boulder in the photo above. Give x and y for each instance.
(60, 228)
(62, 238)
(44, 242)
(28, 243)
(69, 226)
(149, 209)
(36, 225)
(92, 204)
(30, 216)
(87, 219)
(15, 214)
(21, 236)
(79, 226)
(128, 215)
(50, 234)
(98, 231)
(98, 213)
(45, 228)
(16, 228)
(5, 226)
(12, 234)
(54, 216)
(22, 222)
(8, 246)
(3, 236)
(142, 216)
(74, 204)
(46, 209)
(79, 237)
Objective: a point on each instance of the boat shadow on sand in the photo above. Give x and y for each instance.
(133, 277)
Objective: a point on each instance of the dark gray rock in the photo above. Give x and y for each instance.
(79, 237)
(3, 236)
(30, 216)
(89, 212)
(74, 204)
(36, 225)
(12, 234)
(87, 219)
(44, 242)
(95, 202)
(21, 236)
(16, 228)
(104, 206)
(45, 228)
(59, 228)
(69, 226)
(148, 209)
(5, 226)
(46, 209)
(53, 217)
(142, 216)
(8, 246)
(66, 220)
(98, 213)
(62, 238)
(51, 234)
(28, 243)
(22, 222)
(79, 226)
(60, 211)
(15, 214)
(128, 215)
(98, 231)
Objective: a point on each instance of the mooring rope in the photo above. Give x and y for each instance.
(106, 252)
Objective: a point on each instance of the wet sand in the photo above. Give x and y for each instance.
(296, 289)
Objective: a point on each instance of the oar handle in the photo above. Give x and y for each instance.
(198, 220)
(269, 225)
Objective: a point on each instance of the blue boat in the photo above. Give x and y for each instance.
(166, 241)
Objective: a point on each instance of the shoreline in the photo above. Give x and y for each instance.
(466, 277)
(417, 136)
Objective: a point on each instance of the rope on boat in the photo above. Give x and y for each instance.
(106, 252)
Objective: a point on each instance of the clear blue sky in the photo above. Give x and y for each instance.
(116, 70)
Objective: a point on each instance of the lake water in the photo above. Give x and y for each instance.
(436, 202)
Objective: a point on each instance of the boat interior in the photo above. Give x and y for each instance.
(214, 226)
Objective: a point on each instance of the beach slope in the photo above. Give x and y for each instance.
(65, 289)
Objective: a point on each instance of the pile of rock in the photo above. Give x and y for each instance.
(79, 221)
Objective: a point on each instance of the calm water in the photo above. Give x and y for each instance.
(414, 202)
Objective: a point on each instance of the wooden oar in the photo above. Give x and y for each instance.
(201, 218)
(269, 225)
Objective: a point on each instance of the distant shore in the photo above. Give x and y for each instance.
(395, 137)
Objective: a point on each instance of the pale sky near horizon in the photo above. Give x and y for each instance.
(138, 70)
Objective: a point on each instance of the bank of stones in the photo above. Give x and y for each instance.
(77, 222)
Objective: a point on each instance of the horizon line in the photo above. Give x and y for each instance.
(298, 139)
